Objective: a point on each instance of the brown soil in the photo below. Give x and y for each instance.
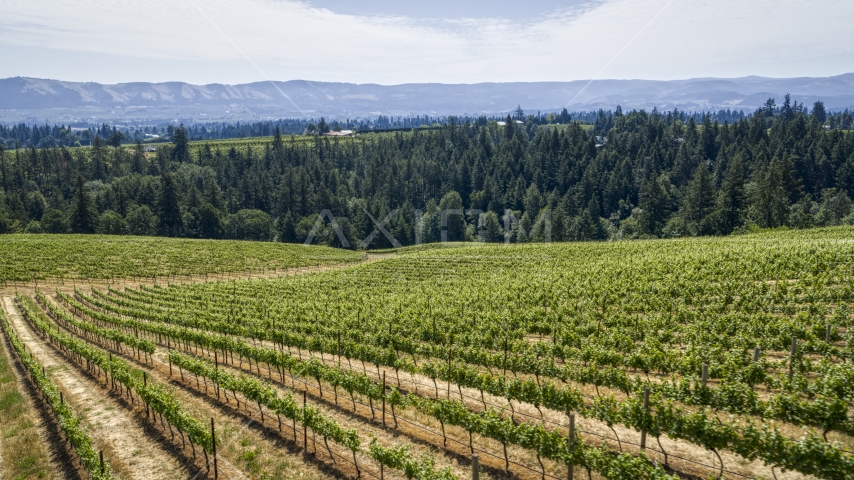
(30, 439)
(108, 422)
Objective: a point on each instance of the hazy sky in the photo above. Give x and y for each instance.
(448, 41)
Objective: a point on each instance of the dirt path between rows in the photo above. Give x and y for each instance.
(131, 454)
(42, 444)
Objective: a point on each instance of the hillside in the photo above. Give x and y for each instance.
(70, 257)
(662, 360)
(23, 99)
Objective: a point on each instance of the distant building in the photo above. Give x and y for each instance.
(342, 133)
(150, 149)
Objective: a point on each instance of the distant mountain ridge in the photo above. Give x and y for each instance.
(23, 98)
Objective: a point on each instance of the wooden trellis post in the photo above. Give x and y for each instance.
(792, 357)
(213, 445)
(645, 411)
(571, 443)
(383, 398)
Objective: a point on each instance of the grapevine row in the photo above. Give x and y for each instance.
(116, 337)
(491, 424)
(826, 412)
(158, 398)
(265, 394)
(71, 424)
(701, 428)
(515, 357)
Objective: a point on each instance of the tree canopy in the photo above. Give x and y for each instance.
(623, 175)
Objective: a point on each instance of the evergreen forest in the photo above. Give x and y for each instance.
(616, 175)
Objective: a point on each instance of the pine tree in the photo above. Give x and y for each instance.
(84, 217)
(115, 138)
(819, 112)
(167, 206)
(278, 145)
(583, 227)
(533, 201)
(699, 200)
(98, 159)
(403, 225)
(492, 229)
(770, 196)
(3, 167)
(322, 126)
(456, 224)
(707, 139)
(654, 204)
(181, 145)
(786, 111)
(730, 203)
(509, 128)
(138, 162)
(210, 222)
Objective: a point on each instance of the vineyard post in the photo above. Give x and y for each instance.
(755, 354)
(571, 442)
(213, 447)
(792, 357)
(101, 454)
(827, 335)
(145, 383)
(645, 412)
(449, 371)
(705, 373)
(383, 398)
(475, 467)
(304, 428)
(505, 356)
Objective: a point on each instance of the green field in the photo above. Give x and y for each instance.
(731, 356)
(263, 142)
(28, 257)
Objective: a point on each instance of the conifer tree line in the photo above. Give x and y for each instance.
(46, 136)
(622, 176)
(22, 135)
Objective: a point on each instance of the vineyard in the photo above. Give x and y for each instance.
(678, 359)
(260, 143)
(60, 258)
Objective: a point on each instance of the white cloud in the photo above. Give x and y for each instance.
(290, 39)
